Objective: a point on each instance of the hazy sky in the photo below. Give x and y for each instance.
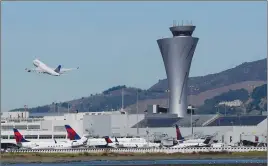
(114, 43)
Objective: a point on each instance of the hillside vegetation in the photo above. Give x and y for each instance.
(248, 71)
(251, 102)
(209, 88)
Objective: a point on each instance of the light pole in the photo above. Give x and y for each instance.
(122, 99)
(56, 107)
(167, 99)
(224, 110)
(137, 107)
(58, 110)
(193, 127)
(191, 109)
(191, 119)
(147, 133)
(68, 108)
(54, 103)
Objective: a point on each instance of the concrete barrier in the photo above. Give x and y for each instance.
(144, 150)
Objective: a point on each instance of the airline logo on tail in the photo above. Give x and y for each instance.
(72, 135)
(178, 133)
(108, 140)
(58, 69)
(19, 138)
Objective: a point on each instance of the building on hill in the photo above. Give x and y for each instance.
(235, 103)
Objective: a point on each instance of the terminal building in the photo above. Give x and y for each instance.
(155, 123)
(227, 129)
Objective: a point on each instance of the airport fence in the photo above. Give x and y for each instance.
(143, 150)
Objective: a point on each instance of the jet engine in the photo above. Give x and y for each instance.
(28, 70)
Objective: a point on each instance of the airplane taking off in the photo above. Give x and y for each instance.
(43, 68)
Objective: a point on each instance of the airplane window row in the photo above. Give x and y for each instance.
(55, 146)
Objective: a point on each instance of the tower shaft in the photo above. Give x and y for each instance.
(177, 53)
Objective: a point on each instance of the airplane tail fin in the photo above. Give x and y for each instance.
(256, 138)
(19, 138)
(58, 69)
(207, 140)
(108, 140)
(178, 133)
(116, 140)
(72, 135)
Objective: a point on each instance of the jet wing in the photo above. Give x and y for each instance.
(38, 70)
(63, 70)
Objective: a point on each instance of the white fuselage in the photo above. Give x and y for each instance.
(45, 145)
(198, 140)
(190, 143)
(183, 145)
(101, 141)
(78, 143)
(217, 145)
(138, 145)
(122, 142)
(53, 145)
(44, 68)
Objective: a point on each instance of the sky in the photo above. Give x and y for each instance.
(114, 43)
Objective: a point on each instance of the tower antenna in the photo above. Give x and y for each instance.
(174, 23)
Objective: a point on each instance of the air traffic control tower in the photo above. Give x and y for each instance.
(177, 53)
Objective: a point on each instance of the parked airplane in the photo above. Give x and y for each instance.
(117, 144)
(43, 68)
(23, 143)
(75, 139)
(182, 142)
(110, 143)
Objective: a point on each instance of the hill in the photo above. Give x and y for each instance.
(238, 101)
(245, 76)
(248, 71)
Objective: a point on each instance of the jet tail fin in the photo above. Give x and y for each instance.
(178, 133)
(108, 140)
(207, 140)
(116, 140)
(72, 135)
(58, 69)
(19, 138)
